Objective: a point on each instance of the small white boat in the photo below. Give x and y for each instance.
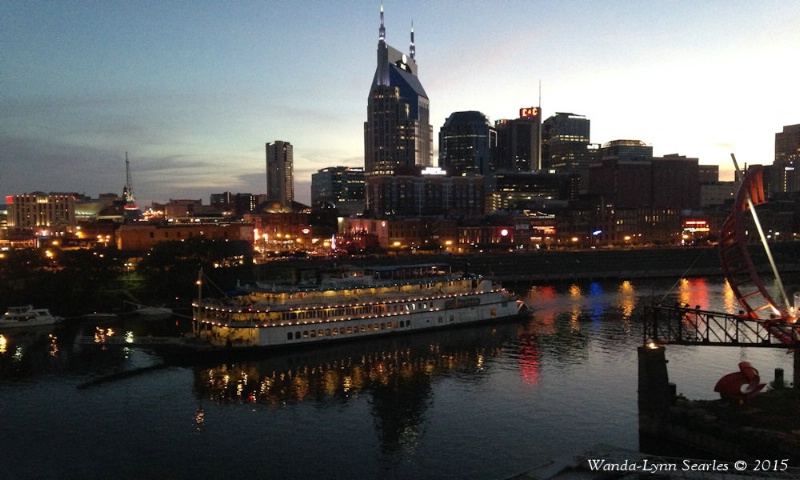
(150, 312)
(27, 316)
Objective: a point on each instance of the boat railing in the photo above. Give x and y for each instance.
(361, 297)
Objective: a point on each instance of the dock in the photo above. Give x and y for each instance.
(123, 341)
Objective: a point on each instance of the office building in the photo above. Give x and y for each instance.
(565, 142)
(342, 187)
(466, 142)
(786, 171)
(627, 150)
(431, 193)
(519, 142)
(280, 173)
(566, 146)
(708, 173)
(631, 181)
(531, 190)
(397, 134)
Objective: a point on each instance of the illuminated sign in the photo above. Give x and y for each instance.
(696, 226)
(528, 112)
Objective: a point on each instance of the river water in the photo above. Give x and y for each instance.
(483, 402)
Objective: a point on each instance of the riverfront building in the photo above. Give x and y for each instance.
(632, 181)
(143, 237)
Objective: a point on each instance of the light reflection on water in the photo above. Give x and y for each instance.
(482, 402)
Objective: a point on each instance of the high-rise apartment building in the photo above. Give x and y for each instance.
(786, 171)
(397, 134)
(280, 173)
(466, 142)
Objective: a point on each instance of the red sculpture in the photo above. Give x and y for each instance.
(740, 386)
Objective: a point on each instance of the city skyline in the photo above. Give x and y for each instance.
(193, 95)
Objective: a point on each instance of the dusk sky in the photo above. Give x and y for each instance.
(193, 90)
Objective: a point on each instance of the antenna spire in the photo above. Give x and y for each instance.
(382, 30)
(412, 50)
(540, 94)
(127, 192)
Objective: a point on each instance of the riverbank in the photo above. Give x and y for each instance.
(764, 427)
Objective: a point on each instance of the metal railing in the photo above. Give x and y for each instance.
(692, 326)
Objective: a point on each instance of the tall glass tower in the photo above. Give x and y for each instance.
(466, 142)
(397, 134)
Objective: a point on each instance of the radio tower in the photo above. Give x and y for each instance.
(127, 191)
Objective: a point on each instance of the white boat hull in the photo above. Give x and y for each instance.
(27, 317)
(401, 313)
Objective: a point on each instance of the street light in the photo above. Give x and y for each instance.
(595, 233)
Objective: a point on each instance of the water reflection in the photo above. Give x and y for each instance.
(394, 375)
(15, 351)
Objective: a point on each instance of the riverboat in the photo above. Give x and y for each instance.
(26, 316)
(352, 304)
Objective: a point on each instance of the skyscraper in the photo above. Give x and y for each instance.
(397, 134)
(786, 171)
(465, 144)
(566, 147)
(280, 173)
(565, 139)
(519, 142)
